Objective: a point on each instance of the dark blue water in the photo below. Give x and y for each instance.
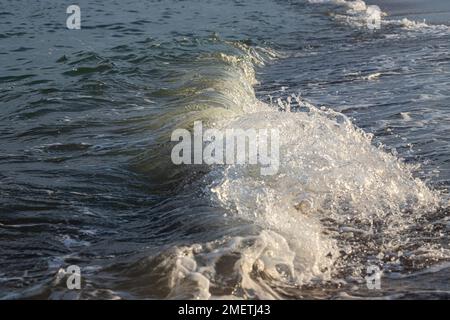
(86, 176)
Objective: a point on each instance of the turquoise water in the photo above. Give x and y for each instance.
(85, 171)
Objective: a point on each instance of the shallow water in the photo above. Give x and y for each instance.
(86, 176)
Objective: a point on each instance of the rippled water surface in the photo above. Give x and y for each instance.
(85, 171)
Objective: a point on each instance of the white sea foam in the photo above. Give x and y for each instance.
(337, 201)
(358, 14)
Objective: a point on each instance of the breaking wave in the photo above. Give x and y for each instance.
(338, 203)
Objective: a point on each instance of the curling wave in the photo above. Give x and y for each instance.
(338, 203)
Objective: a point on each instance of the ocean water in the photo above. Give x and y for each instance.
(86, 176)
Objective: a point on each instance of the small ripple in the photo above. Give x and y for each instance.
(16, 78)
(88, 70)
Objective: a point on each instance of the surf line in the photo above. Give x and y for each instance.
(190, 310)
